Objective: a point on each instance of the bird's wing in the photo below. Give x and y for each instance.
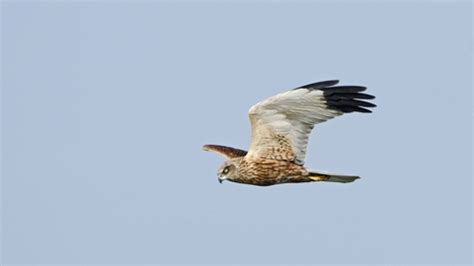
(227, 152)
(281, 124)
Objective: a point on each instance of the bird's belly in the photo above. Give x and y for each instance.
(270, 172)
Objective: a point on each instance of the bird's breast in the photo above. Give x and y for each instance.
(267, 172)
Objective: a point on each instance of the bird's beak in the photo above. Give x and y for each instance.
(220, 178)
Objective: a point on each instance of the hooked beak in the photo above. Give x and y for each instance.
(220, 178)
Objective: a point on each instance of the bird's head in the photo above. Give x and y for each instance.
(228, 170)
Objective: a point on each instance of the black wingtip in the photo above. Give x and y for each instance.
(346, 99)
(319, 85)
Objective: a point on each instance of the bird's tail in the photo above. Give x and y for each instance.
(332, 178)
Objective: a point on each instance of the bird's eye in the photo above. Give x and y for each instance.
(226, 170)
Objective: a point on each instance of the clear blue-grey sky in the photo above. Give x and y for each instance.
(105, 107)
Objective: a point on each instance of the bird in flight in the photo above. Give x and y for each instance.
(281, 126)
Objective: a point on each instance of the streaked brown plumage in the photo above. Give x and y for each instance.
(280, 130)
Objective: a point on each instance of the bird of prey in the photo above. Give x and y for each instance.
(281, 126)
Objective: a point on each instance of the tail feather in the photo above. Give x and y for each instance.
(332, 178)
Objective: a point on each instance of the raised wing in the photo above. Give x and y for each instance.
(281, 124)
(227, 152)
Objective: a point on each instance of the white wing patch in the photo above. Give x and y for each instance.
(281, 124)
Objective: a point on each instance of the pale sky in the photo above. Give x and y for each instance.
(105, 107)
